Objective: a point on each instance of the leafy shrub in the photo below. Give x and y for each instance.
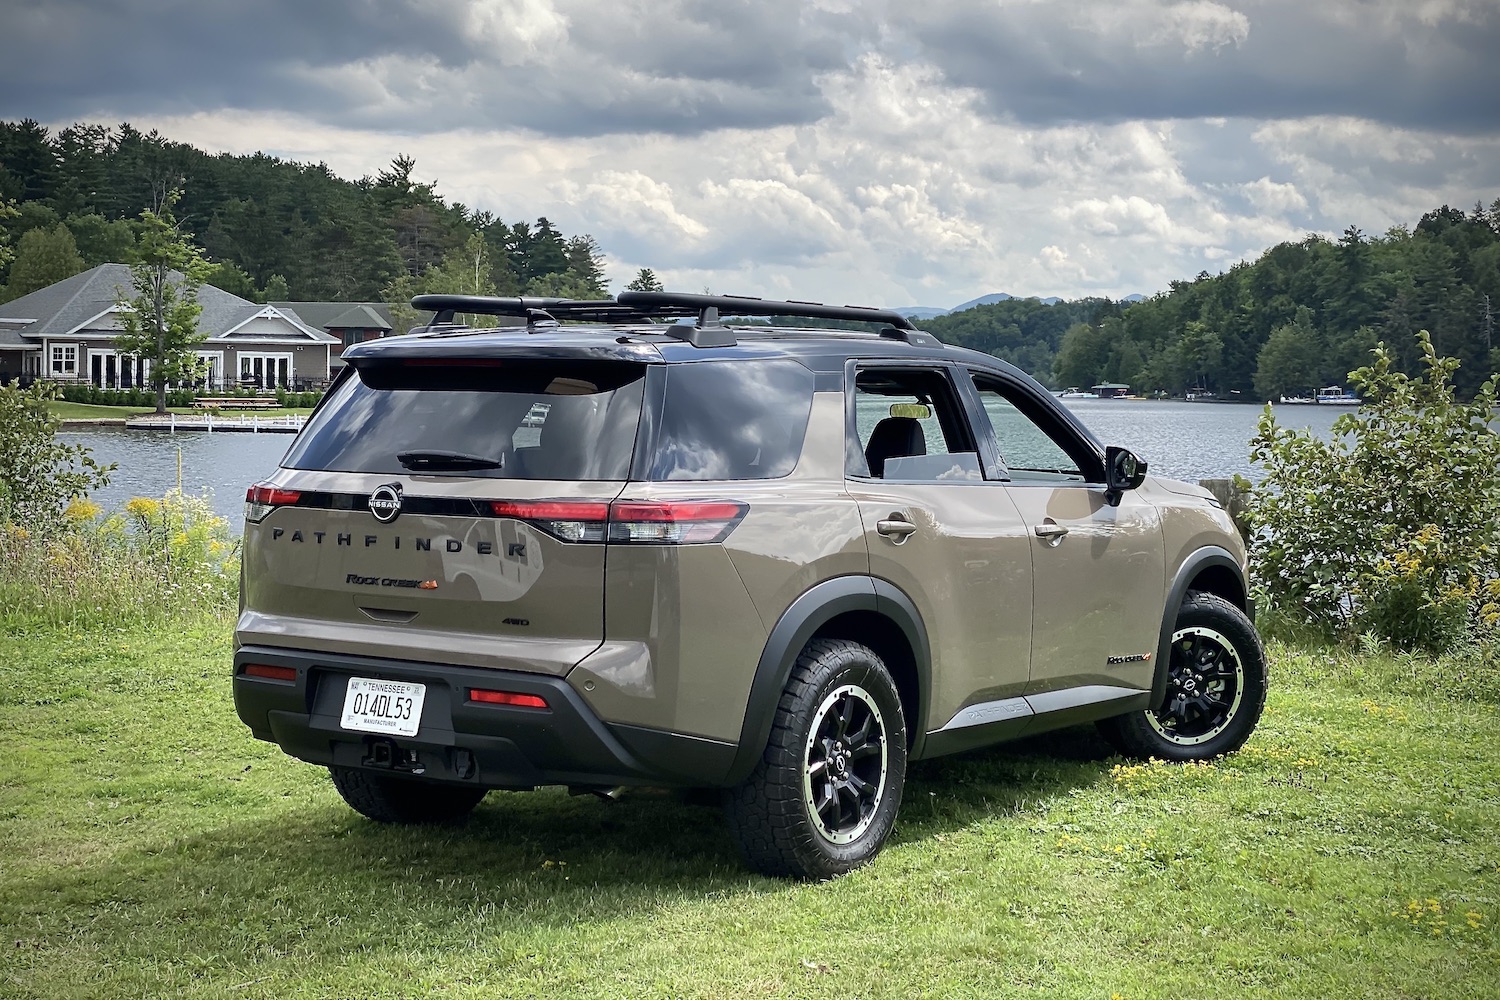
(1392, 527)
(39, 475)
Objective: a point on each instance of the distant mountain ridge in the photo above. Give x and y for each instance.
(928, 312)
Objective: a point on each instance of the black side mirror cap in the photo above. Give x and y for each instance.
(1123, 470)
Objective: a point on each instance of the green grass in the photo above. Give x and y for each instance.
(90, 411)
(152, 848)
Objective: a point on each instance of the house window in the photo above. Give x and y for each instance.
(65, 359)
(265, 371)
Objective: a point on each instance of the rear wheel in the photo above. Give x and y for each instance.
(1216, 688)
(824, 796)
(403, 800)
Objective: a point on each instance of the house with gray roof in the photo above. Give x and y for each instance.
(349, 322)
(66, 332)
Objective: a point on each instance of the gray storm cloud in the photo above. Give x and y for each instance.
(594, 67)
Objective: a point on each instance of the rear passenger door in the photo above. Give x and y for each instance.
(935, 528)
(1097, 569)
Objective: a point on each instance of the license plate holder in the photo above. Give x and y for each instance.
(390, 708)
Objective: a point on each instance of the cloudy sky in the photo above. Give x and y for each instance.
(885, 152)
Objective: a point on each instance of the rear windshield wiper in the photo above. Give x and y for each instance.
(419, 461)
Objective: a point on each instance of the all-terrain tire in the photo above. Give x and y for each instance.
(1216, 688)
(823, 798)
(403, 800)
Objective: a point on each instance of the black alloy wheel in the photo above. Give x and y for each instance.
(1205, 685)
(844, 764)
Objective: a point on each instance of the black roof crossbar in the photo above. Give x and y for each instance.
(745, 305)
(653, 307)
(446, 307)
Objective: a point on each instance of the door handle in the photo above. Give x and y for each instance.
(1050, 532)
(895, 528)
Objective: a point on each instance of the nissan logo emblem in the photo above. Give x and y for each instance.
(385, 503)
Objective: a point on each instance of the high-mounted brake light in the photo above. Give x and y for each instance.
(639, 522)
(270, 672)
(506, 698)
(262, 498)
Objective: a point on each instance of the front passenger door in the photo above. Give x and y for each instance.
(1097, 569)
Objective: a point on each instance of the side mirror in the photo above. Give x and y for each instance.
(1122, 471)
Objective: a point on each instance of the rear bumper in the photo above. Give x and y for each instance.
(460, 741)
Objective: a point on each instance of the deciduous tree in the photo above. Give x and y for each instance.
(159, 321)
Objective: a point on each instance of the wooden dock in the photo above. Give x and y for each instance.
(247, 423)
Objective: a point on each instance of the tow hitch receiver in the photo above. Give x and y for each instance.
(386, 754)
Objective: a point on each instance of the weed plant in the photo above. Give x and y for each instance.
(152, 561)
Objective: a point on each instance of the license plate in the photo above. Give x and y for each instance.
(390, 707)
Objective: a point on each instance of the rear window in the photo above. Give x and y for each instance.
(732, 420)
(522, 419)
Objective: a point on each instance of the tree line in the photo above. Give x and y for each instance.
(1300, 317)
(272, 229)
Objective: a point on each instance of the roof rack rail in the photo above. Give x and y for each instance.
(653, 307)
(588, 310)
(746, 305)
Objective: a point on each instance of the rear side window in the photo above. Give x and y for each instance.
(732, 420)
(524, 419)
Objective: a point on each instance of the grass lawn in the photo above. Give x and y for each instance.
(90, 411)
(152, 848)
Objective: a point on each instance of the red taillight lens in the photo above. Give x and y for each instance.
(639, 522)
(270, 673)
(273, 495)
(568, 520)
(262, 498)
(506, 698)
(678, 522)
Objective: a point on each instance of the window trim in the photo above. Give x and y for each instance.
(58, 358)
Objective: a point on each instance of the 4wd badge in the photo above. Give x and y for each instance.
(385, 503)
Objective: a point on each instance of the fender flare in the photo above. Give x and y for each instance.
(1202, 559)
(813, 609)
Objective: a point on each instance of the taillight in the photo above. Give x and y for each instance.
(568, 520)
(686, 522)
(270, 672)
(638, 522)
(262, 498)
(511, 698)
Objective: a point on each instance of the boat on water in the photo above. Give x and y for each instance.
(1336, 395)
(1073, 392)
(1297, 400)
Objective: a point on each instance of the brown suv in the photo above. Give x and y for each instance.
(627, 544)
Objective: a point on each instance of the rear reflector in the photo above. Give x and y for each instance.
(506, 698)
(640, 522)
(270, 673)
(262, 498)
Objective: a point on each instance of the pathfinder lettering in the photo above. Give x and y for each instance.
(515, 550)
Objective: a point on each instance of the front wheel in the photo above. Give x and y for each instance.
(823, 798)
(403, 800)
(1216, 688)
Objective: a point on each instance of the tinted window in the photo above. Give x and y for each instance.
(537, 419)
(732, 420)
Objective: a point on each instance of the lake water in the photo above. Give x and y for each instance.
(1190, 441)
